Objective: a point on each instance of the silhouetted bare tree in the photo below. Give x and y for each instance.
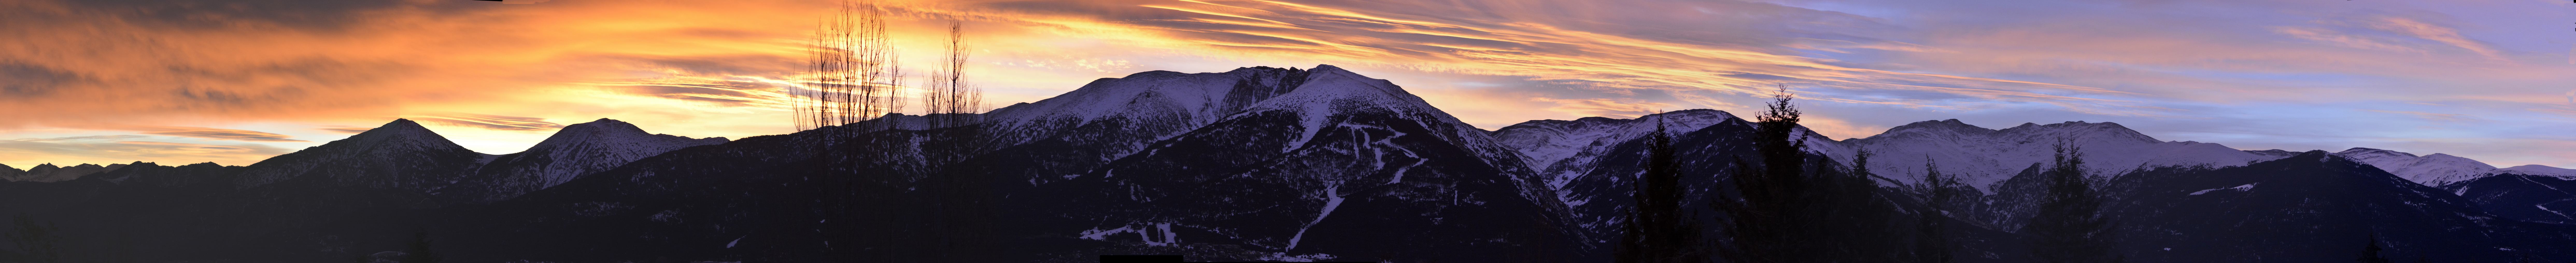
(966, 199)
(852, 67)
(854, 76)
(951, 102)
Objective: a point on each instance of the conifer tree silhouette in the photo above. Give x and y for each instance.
(2370, 253)
(37, 241)
(1932, 242)
(419, 251)
(1763, 227)
(1657, 230)
(2068, 227)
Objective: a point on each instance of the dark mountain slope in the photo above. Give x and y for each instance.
(1346, 166)
(2546, 199)
(401, 154)
(2314, 207)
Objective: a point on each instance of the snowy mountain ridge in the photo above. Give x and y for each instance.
(575, 150)
(2535, 169)
(1545, 142)
(1157, 102)
(1982, 157)
(1329, 91)
(2431, 170)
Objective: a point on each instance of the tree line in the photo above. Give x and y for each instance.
(1787, 205)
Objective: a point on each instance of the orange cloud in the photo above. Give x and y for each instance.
(213, 133)
(345, 129)
(361, 63)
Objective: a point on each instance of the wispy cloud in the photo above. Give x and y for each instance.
(2442, 117)
(124, 148)
(345, 129)
(211, 133)
(1606, 107)
(2443, 34)
(1501, 38)
(494, 122)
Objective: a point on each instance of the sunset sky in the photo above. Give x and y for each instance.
(234, 82)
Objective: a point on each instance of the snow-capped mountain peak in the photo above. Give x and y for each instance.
(1328, 91)
(613, 133)
(2535, 169)
(575, 150)
(1545, 142)
(2358, 153)
(1153, 102)
(1203, 95)
(2430, 170)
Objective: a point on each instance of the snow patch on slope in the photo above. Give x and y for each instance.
(2240, 188)
(1332, 199)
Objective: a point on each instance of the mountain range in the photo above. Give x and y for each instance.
(1258, 163)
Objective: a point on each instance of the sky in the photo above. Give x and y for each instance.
(234, 82)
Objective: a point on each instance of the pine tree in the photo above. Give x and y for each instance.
(1775, 214)
(2068, 227)
(37, 241)
(1657, 229)
(2370, 253)
(1855, 222)
(419, 251)
(1932, 244)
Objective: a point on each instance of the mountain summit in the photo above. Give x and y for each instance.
(576, 150)
(400, 154)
